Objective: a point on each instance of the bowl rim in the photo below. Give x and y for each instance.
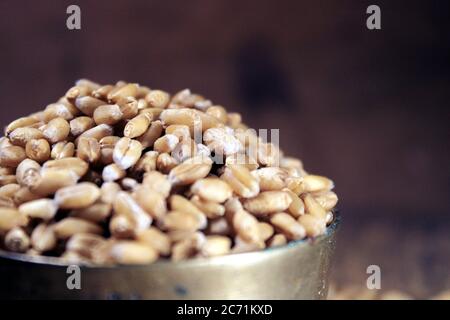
(229, 258)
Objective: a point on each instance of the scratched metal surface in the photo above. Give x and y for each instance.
(296, 271)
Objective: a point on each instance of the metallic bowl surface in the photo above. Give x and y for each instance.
(296, 271)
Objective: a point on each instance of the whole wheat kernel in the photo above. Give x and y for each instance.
(121, 173)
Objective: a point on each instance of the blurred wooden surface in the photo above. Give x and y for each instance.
(367, 108)
(413, 254)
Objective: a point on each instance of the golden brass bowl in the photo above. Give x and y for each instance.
(298, 270)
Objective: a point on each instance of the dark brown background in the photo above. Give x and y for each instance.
(367, 108)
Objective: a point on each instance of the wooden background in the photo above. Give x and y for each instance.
(367, 108)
